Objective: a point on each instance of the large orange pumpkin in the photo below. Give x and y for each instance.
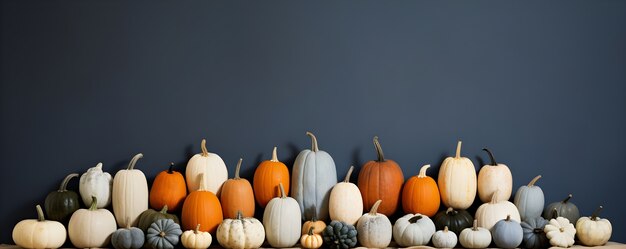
(237, 195)
(168, 189)
(202, 208)
(267, 177)
(421, 194)
(381, 180)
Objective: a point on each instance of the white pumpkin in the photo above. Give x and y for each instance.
(93, 227)
(475, 237)
(373, 229)
(492, 177)
(457, 181)
(444, 238)
(240, 233)
(96, 183)
(488, 214)
(212, 165)
(39, 233)
(560, 232)
(345, 202)
(196, 239)
(130, 194)
(282, 220)
(593, 231)
(413, 230)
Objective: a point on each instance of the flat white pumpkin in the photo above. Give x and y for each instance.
(209, 164)
(130, 194)
(492, 177)
(457, 181)
(39, 233)
(374, 229)
(241, 233)
(593, 231)
(89, 228)
(488, 214)
(345, 202)
(196, 239)
(282, 220)
(98, 183)
(560, 232)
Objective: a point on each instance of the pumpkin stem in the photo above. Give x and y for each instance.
(561, 229)
(127, 220)
(202, 186)
(133, 161)
(314, 147)
(555, 213)
(94, 204)
(205, 152)
(67, 179)
(310, 233)
(274, 156)
(533, 181)
(422, 173)
(162, 234)
(237, 169)
(493, 160)
(445, 229)
(197, 229)
(164, 209)
(347, 179)
(508, 217)
(475, 225)
(538, 230)
(449, 210)
(239, 215)
(379, 150)
(375, 207)
(40, 216)
(494, 197)
(170, 170)
(567, 199)
(595, 214)
(99, 166)
(415, 219)
(458, 150)
(282, 190)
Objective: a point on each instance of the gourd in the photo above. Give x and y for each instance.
(39, 233)
(593, 231)
(196, 239)
(457, 181)
(534, 236)
(267, 176)
(202, 207)
(488, 214)
(314, 176)
(345, 203)
(237, 195)
(413, 230)
(92, 227)
(130, 194)
(492, 177)
(128, 238)
(560, 231)
(374, 229)
(529, 200)
(455, 220)
(150, 216)
(421, 194)
(314, 222)
(168, 189)
(209, 164)
(163, 234)
(381, 179)
(311, 240)
(61, 204)
(96, 183)
(281, 220)
(475, 237)
(444, 238)
(507, 233)
(241, 233)
(338, 234)
(564, 208)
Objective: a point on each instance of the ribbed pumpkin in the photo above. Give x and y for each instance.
(150, 216)
(267, 176)
(130, 194)
(168, 189)
(421, 194)
(457, 181)
(211, 165)
(202, 207)
(237, 195)
(492, 177)
(62, 203)
(381, 180)
(455, 220)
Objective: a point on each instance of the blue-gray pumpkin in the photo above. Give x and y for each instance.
(529, 200)
(507, 233)
(128, 238)
(534, 236)
(564, 208)
(163, 234)
(314, 175)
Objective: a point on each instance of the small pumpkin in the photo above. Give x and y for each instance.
(163, 234)
(457, 181)
(444, 238)
(507, 233)
(196, 239)
(529, 200)
(241, 233)
(267, 176)
(98, 183)
(128, 238)
(413, 230)
(282, 220)
(345, 203)
(150, 216)
(455, 220)
(39, 233)
(130, 193)
(314, 222)
(560, 231)
(237, 195)
(488, 214)
(420, 194)
(534, 236)
(564, 208)
(92, 227)
(61, 204)
(168, 189)
(209, 164)
(202, 207)
(593, 231)
(311, 240)
(492, 177)
(475, 237)
(374, 229)
(338, 235)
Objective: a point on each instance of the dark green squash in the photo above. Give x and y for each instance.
(455, 220)
(150, 216)
(339, 235)
(534, 236)
(565, 208)
(61, 204)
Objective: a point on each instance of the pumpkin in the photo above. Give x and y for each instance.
(150, 216)
(96, 183)
(92, 227)
(314, 176)
(421, 194)
(314, 222)
(267, 176)
(128, 238)
(492, 177)
(560, 232)
(444, 238)
(381, 180)
(507, 233)
(209, 164)
(413, 230)
(529, 200)
(455, 220)
(457, 181)
(202, 207)
(281, 220)
(488, 214)
(241, 233)
(374, 229)
(338, 234)
(61, 204)
(168, 189)
(196, 239)
(534, 236)
(475, 237)
(163, 234)
(237, 195)
(311, 240)
(593, 231)
(39, 233)
(130, 194)
(345, 202)
(565, 208)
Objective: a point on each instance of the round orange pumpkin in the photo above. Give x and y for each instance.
(267, 177)
(237, 195)
(381, 180)
(421, 194)
(168, 189)
(202, 209)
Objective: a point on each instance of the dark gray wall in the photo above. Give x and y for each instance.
(541, 83)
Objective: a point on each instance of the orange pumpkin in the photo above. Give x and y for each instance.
(381, 180)
(202, 209)
(237, 195)
(168, 189)
(267, 177)
(421, 194)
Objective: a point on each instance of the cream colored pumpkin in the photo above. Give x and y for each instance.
(374, 230)
(475, 237)
(560, 232)
(39, 233)
(282, 220)
(413, 230)
(89, 228)
(444, 238)
(209, 164)
(345, 203)
(96, 183)
(492, 177)
(457, 181)
(488, 214)
(311, 240)
(196, 239)
(241, 233)
(130, 194)
(593, 231)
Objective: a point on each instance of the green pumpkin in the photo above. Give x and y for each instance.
(150, 216)
(455, 220)
(534, 236)
(61, 204)
(338, 234)
(564, 208)
(127, 238)
(163, 234)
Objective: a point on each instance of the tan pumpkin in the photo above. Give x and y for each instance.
(196, 239)
(130, 194)
(488, 214)
(237, 195)
(209, 164)
(311, 240)
(492, 177)
(345, 202)
(593, 231)
(457, 181)
(39, 233)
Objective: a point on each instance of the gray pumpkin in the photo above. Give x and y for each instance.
(529, 200)
(534, 236)
(128, 238)
(163, 234)
(564, 208)
(507, 233)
